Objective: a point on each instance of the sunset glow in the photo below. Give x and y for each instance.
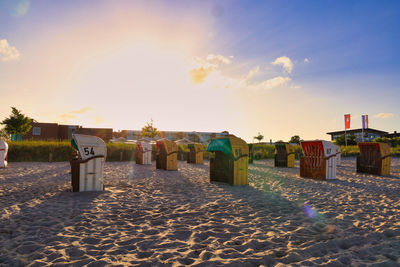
(190, 67)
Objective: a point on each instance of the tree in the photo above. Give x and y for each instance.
(149, 130)
(259, 137)
(351, 140)
(4, 135)
(295, 139)
(339, 141)
(17, 123)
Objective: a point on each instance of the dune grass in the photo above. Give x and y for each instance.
(39, 151)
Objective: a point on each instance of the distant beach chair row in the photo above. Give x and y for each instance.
(228, 163)
(320, 158)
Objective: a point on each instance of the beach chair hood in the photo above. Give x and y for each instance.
(168, 145)
(197, 147)
(326, 147)
(144, 145)
(383, 148)
(3, 145)
(88, 145)
(228, 144)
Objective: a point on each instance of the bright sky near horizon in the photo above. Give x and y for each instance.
(276, 67)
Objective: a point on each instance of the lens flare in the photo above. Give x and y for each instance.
(310, 211)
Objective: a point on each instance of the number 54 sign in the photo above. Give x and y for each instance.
(88, 151)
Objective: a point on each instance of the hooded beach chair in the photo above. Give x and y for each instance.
(167, 155)
(143, 152)
(3, 154)
(318, 160)
(284, 155)
(251, 155)
(338, 156)
(229, 163)
(195, 154)
(374, 158)
(87, 170)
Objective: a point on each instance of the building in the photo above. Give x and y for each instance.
(392, 135)
(104, 133)
(42, 131)
(369, 134)
(196, 137)
(53, 131)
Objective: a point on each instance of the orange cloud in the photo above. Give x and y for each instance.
(384, 115)
(199, 75)
(73, 114)
(99, 120)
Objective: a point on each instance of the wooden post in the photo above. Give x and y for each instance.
(121, 156)
(50, 157)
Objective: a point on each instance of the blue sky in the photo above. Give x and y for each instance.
(330, 58)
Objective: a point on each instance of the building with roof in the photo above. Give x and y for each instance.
(392, 135)
(196, 137)
(53, 131)
(369, 134)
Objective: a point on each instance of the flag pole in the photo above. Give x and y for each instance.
(345, 132)
(362, 128)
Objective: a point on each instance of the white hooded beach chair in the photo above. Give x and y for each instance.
(143, 153)
(88, 169)
(3, 154)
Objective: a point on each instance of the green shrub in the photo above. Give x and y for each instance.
(116, 150)
(393, 142)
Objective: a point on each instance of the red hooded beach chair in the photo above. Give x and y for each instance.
(319, 160)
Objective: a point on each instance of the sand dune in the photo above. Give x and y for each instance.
(155, 217)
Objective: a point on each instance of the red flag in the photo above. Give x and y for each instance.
(366, 119)
(347, 121)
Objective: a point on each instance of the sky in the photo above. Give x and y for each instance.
(279, 68)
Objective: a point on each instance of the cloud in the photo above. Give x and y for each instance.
(73, 114)
(251, 73)
(82, 110)
(199, 75)
(66, 117)
(286, 63)
(208, 71)
(218, 59)
(204, 67)
(7, 52)
(306, 60)
(384, 115)
(275, 82)
(99, 120)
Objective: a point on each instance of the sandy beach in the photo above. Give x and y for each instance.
(149, 217)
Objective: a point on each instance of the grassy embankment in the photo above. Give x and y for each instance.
(61, 151)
